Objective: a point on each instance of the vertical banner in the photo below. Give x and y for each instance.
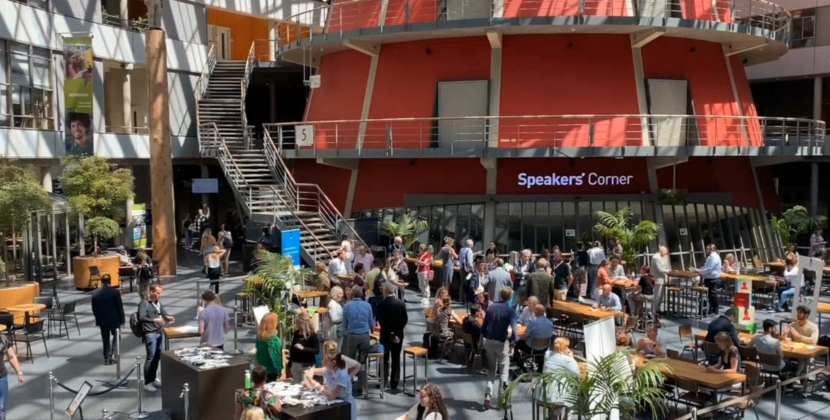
(743, 303)
(139, 225)
(291, 245)
(78, 95)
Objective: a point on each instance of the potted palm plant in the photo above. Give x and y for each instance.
(605, 385)
(795, 221)
(272, 285)
(633, 238)
(407, 227)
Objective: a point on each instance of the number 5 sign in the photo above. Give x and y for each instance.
(304, 135)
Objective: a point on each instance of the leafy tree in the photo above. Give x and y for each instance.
(272, 284)
(407, 227)
(21, 194)
(632, 237)
(604, 385)
(97, 189)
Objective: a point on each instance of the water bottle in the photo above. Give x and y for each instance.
(247, 379)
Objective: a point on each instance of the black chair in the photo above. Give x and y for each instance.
(94, 276)
(45, 313)
(32, 333)
(67, 312)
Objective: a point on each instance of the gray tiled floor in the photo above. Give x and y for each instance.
(79, 358)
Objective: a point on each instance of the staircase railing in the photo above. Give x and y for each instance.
(232, 172)
(306, 197)
(316, 254)
(249, 67)
(201, 88)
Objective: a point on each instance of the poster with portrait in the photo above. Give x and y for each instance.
(78, 68)
(139, 225)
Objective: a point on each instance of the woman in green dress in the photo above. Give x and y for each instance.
(269, 347)
(258, 397)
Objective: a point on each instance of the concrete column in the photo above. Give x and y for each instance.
(161, 151)
(347, 211)
(46, 178)
(126, 101)
(654, 187)
(128, 216)
(124, 13)
(813, 188)
(491, 166)
(495, 37)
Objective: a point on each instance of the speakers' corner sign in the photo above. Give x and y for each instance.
(78, 67)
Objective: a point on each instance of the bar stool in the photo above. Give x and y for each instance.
(378, 378)
(414, 352)
(673, 295)
(701, 295)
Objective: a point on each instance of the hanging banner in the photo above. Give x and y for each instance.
(139, 225)
(78, 95)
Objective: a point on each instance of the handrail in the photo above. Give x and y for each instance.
(283, 176)
(207, 70)
(249, 67)
(364, 14)
(300, 220)
(291, 186)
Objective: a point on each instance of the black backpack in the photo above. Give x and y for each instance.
(135, 325)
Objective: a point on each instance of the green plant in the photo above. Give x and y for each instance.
(795, 221)
(607, 384)
(97, 189)
(272, 285)
(21, 194)
(407, 227)
(633, 238)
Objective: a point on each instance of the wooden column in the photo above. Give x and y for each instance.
(161, 160)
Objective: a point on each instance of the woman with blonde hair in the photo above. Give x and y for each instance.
(334, 318)
(208, 242)
(440, 294)
(560, 360)
(323, 279)
(330, 349)
(269, 346)
(728, 359)
(253, 413)
(304, 346)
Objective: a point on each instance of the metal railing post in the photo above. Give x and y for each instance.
(51, 396)
(235, 323)
(185, 395)
(591, 134)
(694, 413)
(389, 139)
(138, 414)
(778, 400)
(105, 414)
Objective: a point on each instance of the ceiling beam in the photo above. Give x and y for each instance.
(640, 39)
(495, 37)
(367, 48)
(742, 47)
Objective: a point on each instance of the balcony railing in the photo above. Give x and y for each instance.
(474, 135)
(136, 25)
(344, 16)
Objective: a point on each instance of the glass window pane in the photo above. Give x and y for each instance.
(528, 226)
(435, 228)
(21, 74)
(557, 232)
(542, 222)
(477, 223)
(597, 207)
(671, 236)
(40, 4)
(450, 213)
(3, 66)
(569, 222)
(462, 225)
(425, 213)
(585, 229)
(502, 218)
(4, 105)
(514, 228)
(40, 73)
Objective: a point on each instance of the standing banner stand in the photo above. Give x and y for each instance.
(291, 245)
(743, 303)
(815, 265)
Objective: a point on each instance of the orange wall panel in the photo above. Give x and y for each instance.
(406, 84)
(333, 181)
(567, 75)
(347, 15)
(339, 97)
(244, 30)
(717, 10)
(753, 127)
(383, 183)
(703, 64)
(533, 8)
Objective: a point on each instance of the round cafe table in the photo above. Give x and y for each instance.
(26, 308)
(2, 328)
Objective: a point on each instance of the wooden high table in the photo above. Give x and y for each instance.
(173, 333)
(796, 351)
(584, 310)
(697, 373)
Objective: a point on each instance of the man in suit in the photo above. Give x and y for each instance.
(109, 316)
(723, 323)
(392, 317)
(497, 280)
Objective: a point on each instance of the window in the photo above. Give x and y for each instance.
(25, 86)
(40, 4)
(804, 28)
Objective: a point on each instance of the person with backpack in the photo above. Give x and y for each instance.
(152, 317)
(108, 310)
(144, 274)
(226, 239)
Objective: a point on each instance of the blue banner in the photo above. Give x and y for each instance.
(291, 245)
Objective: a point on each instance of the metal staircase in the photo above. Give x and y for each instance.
(263, 186)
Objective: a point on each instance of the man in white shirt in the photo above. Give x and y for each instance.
(710, 272)
(363, 256)
(595, 256)
(660, 273)
(616, 270)
(787, 291)
(337, 268)
(527, 313)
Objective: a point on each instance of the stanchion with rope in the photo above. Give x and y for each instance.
(694, 413)
(75, 391)
(185, 395)
(105, 415)
(235, 323)
(138, 414)
(51, 396)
